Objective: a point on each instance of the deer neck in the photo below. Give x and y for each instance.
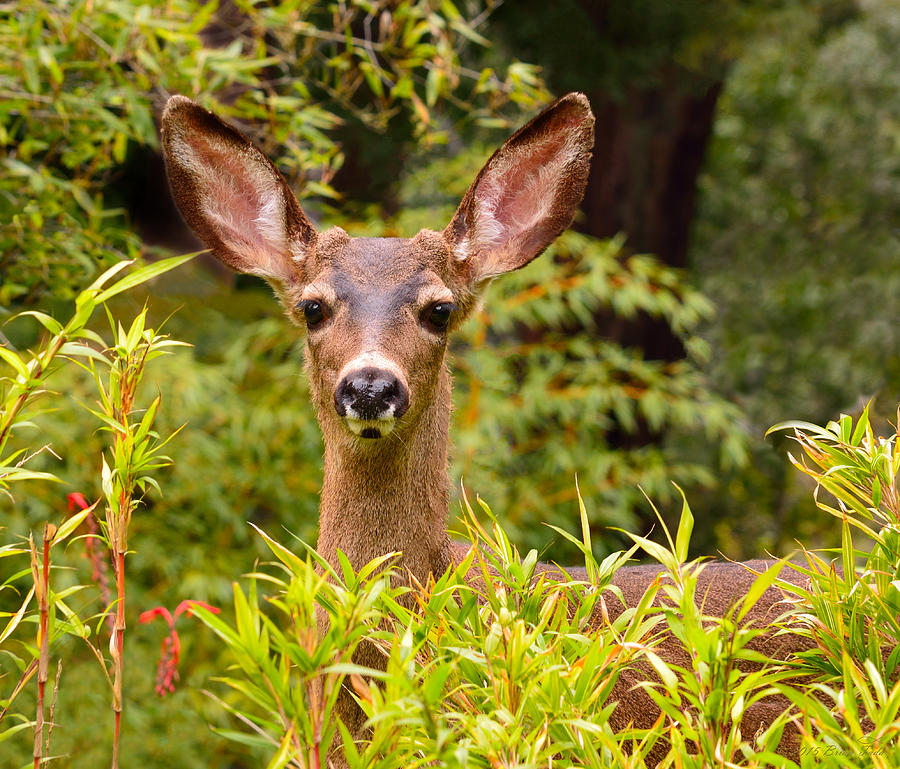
(390, 495)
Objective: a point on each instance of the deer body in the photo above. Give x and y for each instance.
(377, 314)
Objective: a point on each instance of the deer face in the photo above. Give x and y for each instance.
(377, 311)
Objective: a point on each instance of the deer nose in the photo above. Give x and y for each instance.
(371, 394)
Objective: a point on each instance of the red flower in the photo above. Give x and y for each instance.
(167, 668)
(76, 499)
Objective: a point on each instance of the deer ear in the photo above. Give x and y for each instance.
(231, 195)
(526, 194)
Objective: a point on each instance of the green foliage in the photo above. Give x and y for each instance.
(539, 395)
(81, 84)
(856, 718)
(507, 673)
(513, 668)
(857, 605)
(796, 244)
(705, 702)
(560, 398)
(31, 371)
(851, 607)
(81, 81)
(801, 200)
(286, 667)
(135, 455)
(538, 379)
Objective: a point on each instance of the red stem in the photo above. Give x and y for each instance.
(118, 660)
(44, 658)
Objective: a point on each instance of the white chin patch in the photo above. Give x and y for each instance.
(370, 428)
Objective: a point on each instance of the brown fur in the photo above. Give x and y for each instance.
(391, 494)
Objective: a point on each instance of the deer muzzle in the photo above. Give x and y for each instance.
(371, 400)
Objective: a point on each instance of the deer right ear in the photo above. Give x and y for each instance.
(231, 195)
(526, 194)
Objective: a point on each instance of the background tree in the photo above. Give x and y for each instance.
(796, 243)
(655, 73)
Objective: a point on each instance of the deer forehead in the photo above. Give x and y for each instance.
(379, 275)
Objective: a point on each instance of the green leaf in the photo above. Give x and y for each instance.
(72, 523)
(847, 552)
(8, 475)
(800, 426)
(589, 562)
(144, 274)
(433, 83)
(283, 554)
(685, 528)
(16, 362)
(668, 676)
(285, 752)
(861, 426)
(458, 25)
(655, 551)
(17, 617)
(762, 583)
(51, 324)
(13, 730)
(82, 351)
(88, 296)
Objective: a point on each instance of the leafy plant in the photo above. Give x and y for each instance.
(136, 452)
(290, 672)
(852, 601)
(498, 662)
(81, 82)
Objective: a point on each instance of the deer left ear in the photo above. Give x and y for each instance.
(526, 194)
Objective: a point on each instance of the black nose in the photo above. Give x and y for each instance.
(371, 393)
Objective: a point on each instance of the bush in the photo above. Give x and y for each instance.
(513, 670)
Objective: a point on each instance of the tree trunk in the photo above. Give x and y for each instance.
(648, 152)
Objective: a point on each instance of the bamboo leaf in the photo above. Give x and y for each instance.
(13, 730)
(72, 523)
(16, 362)
(285, 752)
(87, 294)
(144, 274)
(51, 324)
(685, 528)
(17, 617)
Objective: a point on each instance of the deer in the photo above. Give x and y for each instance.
(377, 314)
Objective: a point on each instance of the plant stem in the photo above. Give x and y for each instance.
(51, 722)
(42, 585)
(117, 648)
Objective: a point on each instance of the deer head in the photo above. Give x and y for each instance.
(377, 311)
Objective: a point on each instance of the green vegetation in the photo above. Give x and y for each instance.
(509, 673)
(797, 247)
(81, 80)
(380, 114)
(507, 670)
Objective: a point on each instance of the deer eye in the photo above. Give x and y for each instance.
(438, 315)
(314, 312)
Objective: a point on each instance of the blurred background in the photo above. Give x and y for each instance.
(732, 266)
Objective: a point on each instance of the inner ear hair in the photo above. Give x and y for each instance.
(231, 195)
(527, 192)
